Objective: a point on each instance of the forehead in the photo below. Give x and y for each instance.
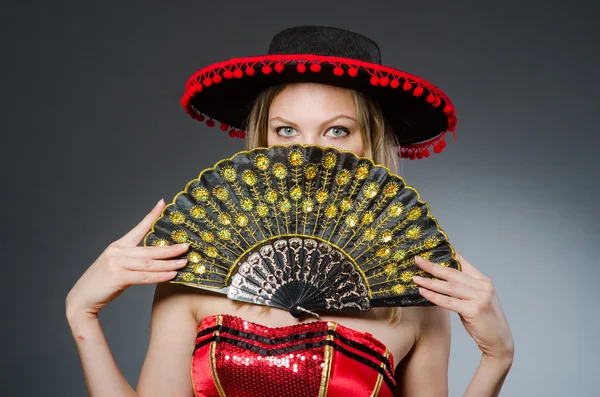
(312, 100)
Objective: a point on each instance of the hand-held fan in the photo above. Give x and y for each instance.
(303, 228)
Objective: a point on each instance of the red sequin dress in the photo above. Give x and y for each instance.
(236, 358)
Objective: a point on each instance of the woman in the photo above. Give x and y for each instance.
(339, 96)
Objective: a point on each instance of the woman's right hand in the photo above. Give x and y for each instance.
(121, 265)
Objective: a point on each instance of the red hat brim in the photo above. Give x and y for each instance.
(419, 113)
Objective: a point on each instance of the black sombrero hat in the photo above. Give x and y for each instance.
(419, 112)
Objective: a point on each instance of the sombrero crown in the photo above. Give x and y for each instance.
(419, 113)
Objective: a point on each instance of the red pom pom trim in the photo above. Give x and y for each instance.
(197, 87)
(421, 150)
(380, 76)
(452, 122)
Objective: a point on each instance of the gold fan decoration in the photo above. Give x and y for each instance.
(304, 228)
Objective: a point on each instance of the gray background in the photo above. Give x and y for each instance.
(93, 135)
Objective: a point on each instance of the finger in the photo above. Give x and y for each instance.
(453, 275)
(439, 271)
(449, 288)
(135, 235)
(468, 268)
(152, 265)
(135, 277)
(158, 252)
(448, 302)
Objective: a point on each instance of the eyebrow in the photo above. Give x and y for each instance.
(339, 116)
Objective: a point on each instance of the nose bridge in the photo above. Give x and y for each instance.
(311, 136)
(310, 140)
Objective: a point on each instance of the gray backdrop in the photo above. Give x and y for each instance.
(93, 135)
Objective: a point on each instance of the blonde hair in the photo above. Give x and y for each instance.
(379, 141)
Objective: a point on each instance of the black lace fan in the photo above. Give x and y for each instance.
(303, 228)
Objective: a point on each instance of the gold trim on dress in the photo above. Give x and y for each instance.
(213, 365)
(328, 359)
(192, 377)
(380, 376)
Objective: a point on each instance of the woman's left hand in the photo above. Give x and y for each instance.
(470, 294)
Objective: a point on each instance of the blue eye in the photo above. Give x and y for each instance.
(286, 131)
(337, 132)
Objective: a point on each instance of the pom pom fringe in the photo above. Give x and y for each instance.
(380, 76)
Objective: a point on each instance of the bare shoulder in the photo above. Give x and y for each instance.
(431, 325)
(174, 294)
(421, 320)
(197, 302)
(166, 368)
(432, 319)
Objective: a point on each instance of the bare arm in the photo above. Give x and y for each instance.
(489, 377)
(424, 371)
(472, 296)
(102, 376)
(166, 370)
(121, 265)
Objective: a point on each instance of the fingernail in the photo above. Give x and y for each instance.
(183, 245)
(181, 261)
(417, 278)
(160, 201)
